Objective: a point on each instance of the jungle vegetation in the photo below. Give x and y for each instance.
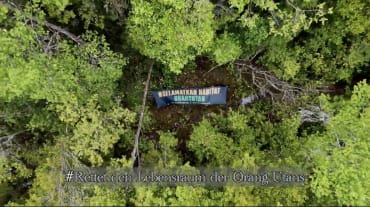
(74, 74)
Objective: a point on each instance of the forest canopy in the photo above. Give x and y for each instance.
(76, 76)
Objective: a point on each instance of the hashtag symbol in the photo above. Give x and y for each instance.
(69, 176)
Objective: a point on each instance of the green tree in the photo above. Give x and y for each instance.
(67, 93)
(340, 155)
(162, 153)
(93, 132)
(226, 49)
(172, 32)
(205, 143)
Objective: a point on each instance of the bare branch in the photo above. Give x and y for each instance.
(313, 115)
(53, 27)
(299, 9)
(292, 5)
(49, 47)
(7, 144)
(7, 139)
(337, 138)
(221, 5)
(135, 151)
(276, 20)
(73, 37)
(267, 82)
(249, 99)
(212, 69)
(256, 54)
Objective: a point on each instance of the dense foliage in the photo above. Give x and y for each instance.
(72, 74)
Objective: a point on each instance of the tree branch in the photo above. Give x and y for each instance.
(12, 7)
(267, 82)
(8, 138)
(299, 9)
(73, 37)
(260, 51)
(212, 69)
(135, 151)
(276, 20)
(313, 115)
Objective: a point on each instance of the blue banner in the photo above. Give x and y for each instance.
(205, 96)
